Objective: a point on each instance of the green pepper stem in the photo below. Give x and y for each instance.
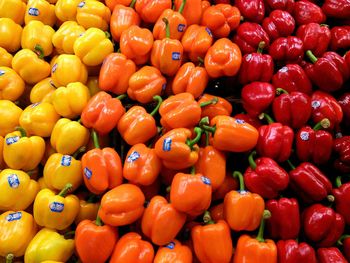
(267, 117)
(108, 35)
(68, 187)
(182, 6)
(209, 102)
(341, 239)
(261, 47)
(79, 151)
(167, 28)
(198, 132)
(132, 4)
(98, 221)
(338, 181)
(193, 170)
(324, 25)
(324, 123)
(68, 234)
(207, 218)
(331, 198)
(95, 139)
(280, 91)
(251, 161)
(311, 56)
(291, 165)
(237, 174)
(168, 189)
(209, 128)
(159, 100)
(39, 51)
(260, 236)
(22, 131)
(122, 96)
(9, 258)
(200, 61)
(206, 138)
(204, 121)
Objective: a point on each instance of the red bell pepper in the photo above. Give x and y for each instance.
(313, 144)
(340, 38)
(336, 8)
(284, 222)
(279, 24)
(285, 5)
(265, 177)
(256, 67)
(289, 251)
(248, 119)
(328, 72)
(251, 10)
(344, 240)
(291, 78)
(344, 102)
(315, 37)
(287, 50)
(330, 255)
(342, 148)
(292, 109)
(307, 12)
(248, 37)
(342, 199)
(257, 97)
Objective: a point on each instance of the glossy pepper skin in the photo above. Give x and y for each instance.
(307, 12)
(322, 225)
(340, 37)
(279, 24)
(93, 14)
(254, 121)
(331, 254)
(42, 91)
(63, 39)
(150, 11)
(221, 107)
(217, 64)
(40, 10)
(10, 114)
(12, 33)
(11, 84)
(341, 146)
(13, 9)
(88, 208)
(287, 50)
(17, 229)
(5, 58)
(156, 218)
(337, 9)
(289, 251)
(173, 252)
(342, 195)
(122, 205)
(253, 11)
(18, 189)
(344, 102)
(286, 5)
(49, 245)
(284, 222)
(66, 10)
(192, 10)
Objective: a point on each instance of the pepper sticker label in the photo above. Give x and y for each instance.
(66, 160)
(167, 144)
(32, 11)
(181, 27)
(12, 140)
(133, 157)
(13, 181)
(171, 245)
(56, 207)
(209, 32)
(14, 216)
(81, 4)
(87, 173)
(2, 72)
(315, 104)
(239, 121)
(205, 180)
(304, 136)
(176, 56)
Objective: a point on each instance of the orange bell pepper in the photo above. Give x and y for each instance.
(112, 3)
(122, 205)
(173, 252)
(217, 212)
(190, 79)
(167, 53)
(190, 193)
(248, 205)
(176, 150)
(115, 73)
(212, 242)
(205, 5)
(224, 58)
(252, 250)
(221, 107)
(155, 221)
(88, 208)
(136, 44)
(131, 248)
(122, 18)
(150, 10)
(192, 10)
(230, 183)
(102, 168)
(146, 83)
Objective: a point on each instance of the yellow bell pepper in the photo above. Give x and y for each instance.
(17, 229)
(49, 150)
(92, 13)
(2, 162)
(66, 69)
(17, 189)
(39, 119)
(22, 152)
(70, 101)
(66, 10)
(55, 211)
(68, 136)
(40, 10)
(35, 34)
(92, 84)
(41, 182)
(49, 245)
(93, 46)
(88, 209)
(65, 36)
(13, 9)
(42, 91)
(11, 84)
(10, 35)
(30, 66)
(10, 114)
(5, 58)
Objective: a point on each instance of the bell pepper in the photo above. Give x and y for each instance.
(309, 183)
(11, 84)
(66, 10)
(336, 8)
(156, 218)
(5, 58)
(212, 242)
(287, 50)
(344, 102)
(344, 241)
(111, 4)
(253, 11)
(284, 222)
(31, 67)
(11, 35)
(92, 14)
(94, 241)
(146, 83)
(192, 10)
(49, 245)
(255, 122)
(196, 41)
(257, 97)
(285, 5)
(291, 78)
(131, 248)
(55, 211)
(326, 106)
(217, 212)
(39, 119)
(265, 177)
(221, 19)
(40, 10)
(2, 162)
(102, 112)
(305, 12)
(17, 229)
(115, 73)
(329, 255)
(93, 85)
(122, 205)
(68, 68)
(292, 109)
(220, 107)
(88, 207)
(223, 58)
(341, 146)
(250, 207)
(279, 24)
(173, 252)
(342, 195)
(315, 37)
(150, 10)
(246, 42)
(42, 91)
(13, 9)
(229, 183)
(18, 189)
(252, 250)
(63, 39)
(22, 152)
(340, 37)
(289, 251)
